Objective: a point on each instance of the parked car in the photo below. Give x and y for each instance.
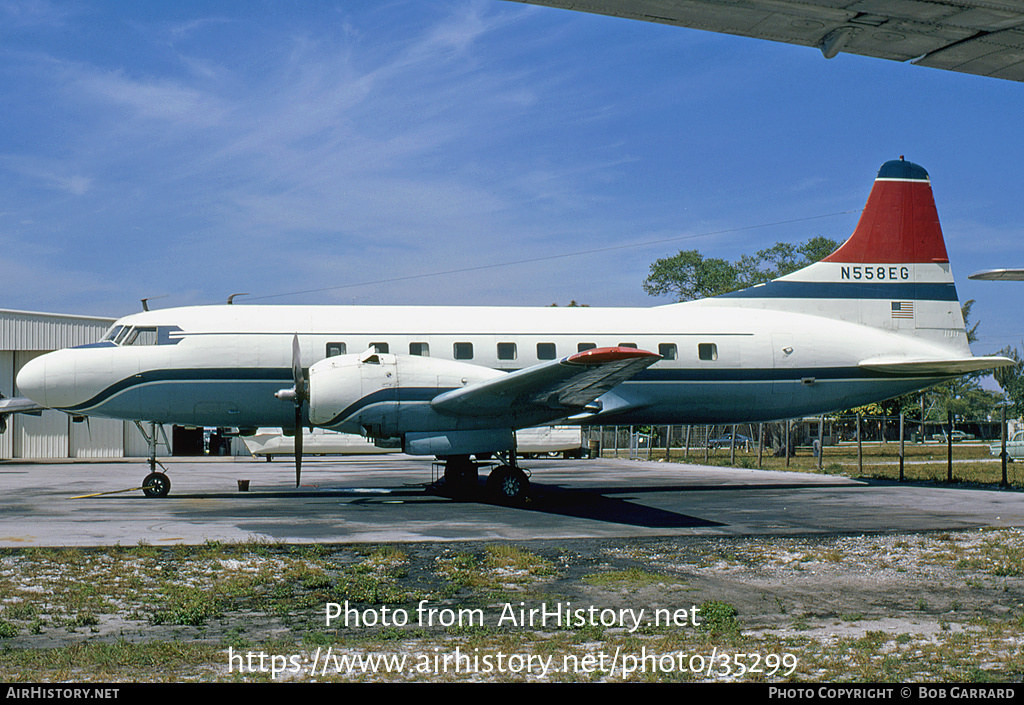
(726, 441)
(1014, 447)
(957, 437)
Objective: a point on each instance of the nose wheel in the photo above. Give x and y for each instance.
(156, 484)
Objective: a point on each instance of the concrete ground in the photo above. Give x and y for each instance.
(359, 499)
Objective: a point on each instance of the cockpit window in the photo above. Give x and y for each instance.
(141, 336)
(113, 332)
(122, 334)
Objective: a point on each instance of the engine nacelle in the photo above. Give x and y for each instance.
(387, 396)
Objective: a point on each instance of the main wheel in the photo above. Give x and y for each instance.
(156, 484)
(508, 484)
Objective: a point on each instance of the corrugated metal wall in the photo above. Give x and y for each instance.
(7, 389)
(26, 330)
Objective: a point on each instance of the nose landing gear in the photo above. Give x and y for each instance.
(156, 483)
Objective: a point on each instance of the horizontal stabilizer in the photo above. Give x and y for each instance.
(960, 366)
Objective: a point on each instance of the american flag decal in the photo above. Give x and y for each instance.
(902, 309)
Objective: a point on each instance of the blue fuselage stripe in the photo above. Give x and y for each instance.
(848, 290)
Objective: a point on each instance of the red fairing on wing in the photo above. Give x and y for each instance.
(600, 356)
(899, 225)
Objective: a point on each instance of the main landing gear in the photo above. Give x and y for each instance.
(507, 482)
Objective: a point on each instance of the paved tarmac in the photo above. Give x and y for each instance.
(374, 499)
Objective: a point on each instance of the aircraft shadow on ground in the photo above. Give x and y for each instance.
(596, 504)
(592, 503)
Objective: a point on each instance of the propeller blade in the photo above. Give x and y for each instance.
(300, 397)
(298, 442)
(300, 383)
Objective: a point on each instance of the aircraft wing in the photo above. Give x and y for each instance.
(969, 36)
(1014, 275)
(17, 405)
(554, 389)
(936, 367)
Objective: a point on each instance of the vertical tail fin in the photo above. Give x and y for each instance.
(899, 224)
(892, 273)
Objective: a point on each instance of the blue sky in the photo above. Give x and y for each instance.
(196, 149)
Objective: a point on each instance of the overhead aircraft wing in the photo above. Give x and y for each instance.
(556, 388)
(1014, 275)
(949, 367)
(970, 36)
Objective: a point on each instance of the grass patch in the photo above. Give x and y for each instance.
(628, 578)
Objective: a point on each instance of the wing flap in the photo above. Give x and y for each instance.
(562, 386)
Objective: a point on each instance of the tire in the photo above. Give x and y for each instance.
(156, 484)
(508, 484)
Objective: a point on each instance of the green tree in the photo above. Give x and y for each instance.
(1011, 380)
(689, 275)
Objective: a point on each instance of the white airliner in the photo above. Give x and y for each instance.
(877, 318)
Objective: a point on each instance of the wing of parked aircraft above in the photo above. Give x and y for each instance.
(969, 36)
(1009, 275)
(558, 387)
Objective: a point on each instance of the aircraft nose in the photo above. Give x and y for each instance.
(32, 380)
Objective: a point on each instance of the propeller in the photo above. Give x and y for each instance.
(298, 395)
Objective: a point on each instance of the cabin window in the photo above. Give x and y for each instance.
(421, 349)
(335, 349)
(506, 351)
(667, 351)
(546, 351)
(141, 336)
(585, 346)
(463, 351)
(627, 345)
(707, 351)
(380, 348)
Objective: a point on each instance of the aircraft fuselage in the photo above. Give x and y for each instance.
(221, 365)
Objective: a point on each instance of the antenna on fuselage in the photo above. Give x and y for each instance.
(231, 299)
(145, 301)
